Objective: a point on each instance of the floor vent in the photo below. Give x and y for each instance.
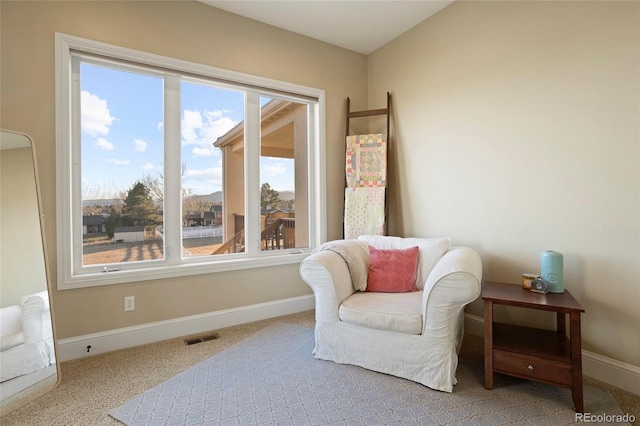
(201, 339)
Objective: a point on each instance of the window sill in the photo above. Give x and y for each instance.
(181, 270)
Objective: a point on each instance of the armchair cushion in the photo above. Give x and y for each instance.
(393, 270)
(11, 340)
(399, 312)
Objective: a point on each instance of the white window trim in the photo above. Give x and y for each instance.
(66, 186)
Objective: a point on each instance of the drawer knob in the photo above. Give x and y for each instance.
(530, 367)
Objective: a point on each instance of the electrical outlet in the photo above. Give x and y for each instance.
(129, 303)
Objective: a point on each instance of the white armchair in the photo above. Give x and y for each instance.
(26, 337)
(414, 335)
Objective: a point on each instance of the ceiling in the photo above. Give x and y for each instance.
(359, 25)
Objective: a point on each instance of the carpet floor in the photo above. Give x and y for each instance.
(271, 378)
(94, 386)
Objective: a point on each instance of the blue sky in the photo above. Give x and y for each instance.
(122, 133)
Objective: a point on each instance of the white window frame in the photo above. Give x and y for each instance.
(68, 197)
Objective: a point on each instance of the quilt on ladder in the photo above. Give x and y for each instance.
(363, 211)
(366, 175)
(366, 162)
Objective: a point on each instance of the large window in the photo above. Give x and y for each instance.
(169, 168)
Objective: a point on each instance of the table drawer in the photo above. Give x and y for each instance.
(529, 367)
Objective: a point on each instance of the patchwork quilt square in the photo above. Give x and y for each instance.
(366, 162)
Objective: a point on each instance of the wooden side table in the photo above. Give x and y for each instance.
(545, 356)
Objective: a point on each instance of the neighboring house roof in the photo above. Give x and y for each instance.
(92, 220)
(128, 229)
(216, 208)
(209, 215)
(267, 211)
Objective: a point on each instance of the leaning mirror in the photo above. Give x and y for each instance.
(27, 350)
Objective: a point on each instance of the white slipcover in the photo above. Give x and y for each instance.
(26, 337)
(411, 335)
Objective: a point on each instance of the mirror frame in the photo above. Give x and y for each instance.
(23, 397)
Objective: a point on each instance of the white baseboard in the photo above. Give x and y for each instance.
(622, 375)
(608, 370)
(111, 340)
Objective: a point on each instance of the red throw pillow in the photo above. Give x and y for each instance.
(392, 271)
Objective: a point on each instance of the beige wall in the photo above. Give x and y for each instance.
(21, 253)
(185, 30)
(517, 128)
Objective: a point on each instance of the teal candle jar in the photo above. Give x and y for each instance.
(552, 270)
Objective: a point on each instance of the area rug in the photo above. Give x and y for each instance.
(272, 378)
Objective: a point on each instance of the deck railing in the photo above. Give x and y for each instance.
(234, 245)
(279, 233)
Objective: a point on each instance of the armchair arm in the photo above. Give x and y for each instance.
(457, 262)
(36, 318)
(327, 274)
(454, 282)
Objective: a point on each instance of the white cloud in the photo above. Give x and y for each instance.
(161, 125)
(278, 172)
(203, 181)
(104, 144)
(203, 129)
(148, 166)
(140, 145)
(203, 174)
(116, 162)
(204, 151)
(95, 115)
(273, 169)
(191, 126)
